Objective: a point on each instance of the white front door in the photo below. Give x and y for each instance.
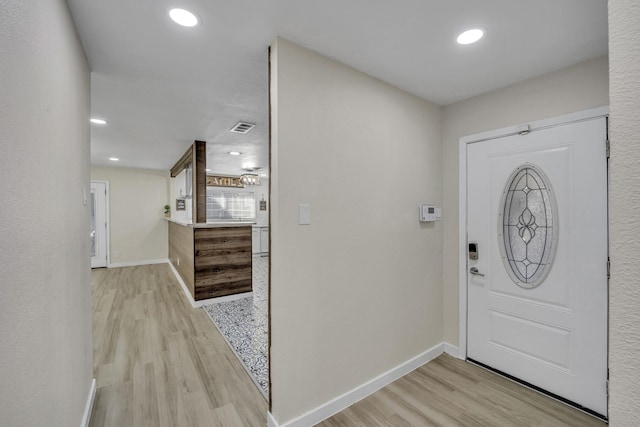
(537, 292)
(98, 224)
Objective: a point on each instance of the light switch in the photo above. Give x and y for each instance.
(304, 214)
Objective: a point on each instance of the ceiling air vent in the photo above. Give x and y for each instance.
(242, 127)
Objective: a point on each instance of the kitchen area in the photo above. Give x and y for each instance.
(260, 240)
(217, 224)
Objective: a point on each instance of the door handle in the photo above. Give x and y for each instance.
(475, 272)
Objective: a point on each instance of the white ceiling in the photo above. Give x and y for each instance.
(161, 86)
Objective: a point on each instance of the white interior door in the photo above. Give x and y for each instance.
(98, 224)
(537, 303)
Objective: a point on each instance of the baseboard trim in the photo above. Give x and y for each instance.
(183, 285)
(233, 297)
(137, 263)
(342, 402)
(452, 350)
(88, 408)
(200, 303)
(271, 422)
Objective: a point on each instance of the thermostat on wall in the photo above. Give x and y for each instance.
(429, 213)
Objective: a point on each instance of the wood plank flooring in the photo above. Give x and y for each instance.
(159, 362)
(451, 392)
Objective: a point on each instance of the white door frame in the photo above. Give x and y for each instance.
(462, 207)
(106, 213)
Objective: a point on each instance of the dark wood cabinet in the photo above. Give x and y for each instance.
(213, 261)
(223, 261)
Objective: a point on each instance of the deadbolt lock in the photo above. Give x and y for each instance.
(473, 251)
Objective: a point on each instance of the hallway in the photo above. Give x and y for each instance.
(159, 362)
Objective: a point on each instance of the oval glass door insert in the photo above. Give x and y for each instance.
(528, 226)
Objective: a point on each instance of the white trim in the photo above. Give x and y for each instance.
(233, 297)
(200, 303)
(183, 285)
(88, 408)
(462, 250)
(106, 213)
(452, 350)
(590, 114)
(137, 263)
(342, 402)
(271, 422)
(564, 119)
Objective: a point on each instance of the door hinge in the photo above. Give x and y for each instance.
(607, 386)
(608, 268)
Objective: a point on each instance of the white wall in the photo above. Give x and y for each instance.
(137, 227)
(624, 47)
(572, 89)
(45, 282)
(358, 291)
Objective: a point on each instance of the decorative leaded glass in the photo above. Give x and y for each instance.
(528, 226)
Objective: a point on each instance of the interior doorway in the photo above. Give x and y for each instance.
(99, 224)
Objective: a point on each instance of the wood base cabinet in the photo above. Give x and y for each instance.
(221, 262)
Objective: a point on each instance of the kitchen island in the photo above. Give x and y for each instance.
(214, 259)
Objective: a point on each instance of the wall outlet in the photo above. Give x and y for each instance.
(117, 253)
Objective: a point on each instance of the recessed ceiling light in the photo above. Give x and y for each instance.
(235, 153)
(97, 121)
(183, 17)
(114, 159)
(264, 175)
(207, 170)
(470, 36)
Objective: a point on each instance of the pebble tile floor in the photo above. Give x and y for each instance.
(244, 324)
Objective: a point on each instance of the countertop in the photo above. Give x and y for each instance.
(212, 224)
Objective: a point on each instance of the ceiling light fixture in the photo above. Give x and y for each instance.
(250, 179)
(207, 170)
(235, 153)
(183, 17)
(97, 121)
(470, 36)
(114, 159)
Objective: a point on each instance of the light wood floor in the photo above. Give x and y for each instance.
(159, 362)
(451, 392)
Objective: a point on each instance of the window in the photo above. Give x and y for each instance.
(230, 205)
(527, 226)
